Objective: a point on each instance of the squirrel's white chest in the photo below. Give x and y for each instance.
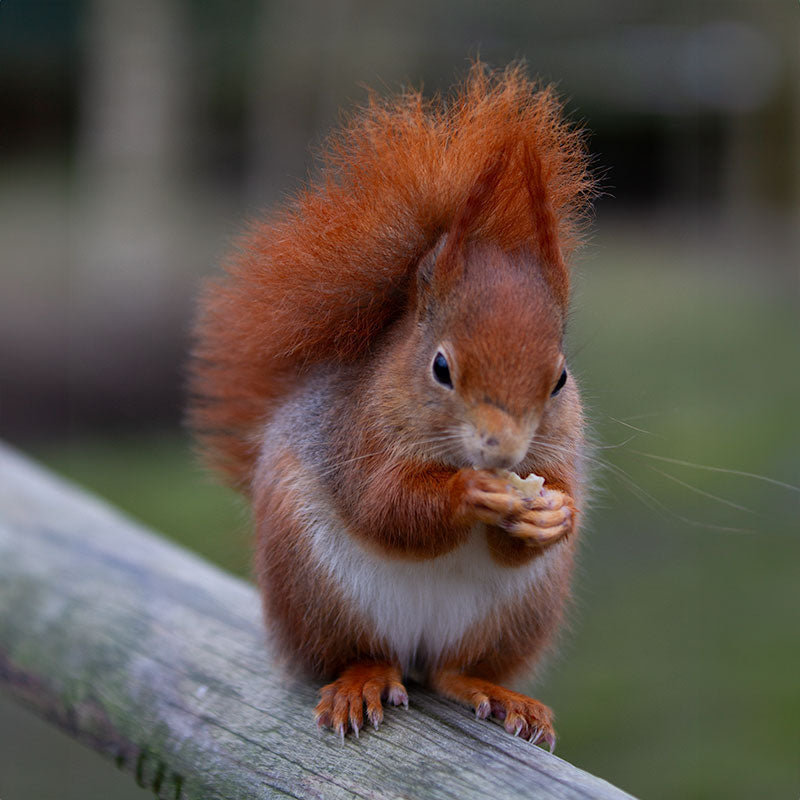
(422, 609)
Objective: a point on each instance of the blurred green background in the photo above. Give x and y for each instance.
(136, 137)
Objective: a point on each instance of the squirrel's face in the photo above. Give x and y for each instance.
(488, 360)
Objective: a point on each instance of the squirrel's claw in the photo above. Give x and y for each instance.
(397, 695)
(483, 708)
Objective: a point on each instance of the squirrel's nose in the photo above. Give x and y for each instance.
(500, 441)
(497, 454)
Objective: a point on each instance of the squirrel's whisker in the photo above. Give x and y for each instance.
(695, 489)
(633, 427)
(723, 470)
(647, 498)
(616, 446)
(653, 502)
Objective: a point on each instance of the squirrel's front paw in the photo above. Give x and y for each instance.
(539, 521)
(489, 498)
(547, 518)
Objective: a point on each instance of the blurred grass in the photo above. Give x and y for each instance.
(156, 479)
(679, 677)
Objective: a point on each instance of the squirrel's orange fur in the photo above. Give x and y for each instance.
(392, 181)
(435, 238)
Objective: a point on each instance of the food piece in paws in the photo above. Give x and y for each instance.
(527, 488)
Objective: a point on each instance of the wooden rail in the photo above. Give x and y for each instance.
(154, 657)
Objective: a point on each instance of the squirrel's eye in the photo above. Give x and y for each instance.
(560, 385)
(441, 370)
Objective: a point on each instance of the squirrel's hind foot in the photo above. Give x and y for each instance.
(521, 716)
(341, 705)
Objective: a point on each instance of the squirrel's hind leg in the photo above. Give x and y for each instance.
(522, 716)
(341, 704)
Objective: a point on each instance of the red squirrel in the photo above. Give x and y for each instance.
(378, 355)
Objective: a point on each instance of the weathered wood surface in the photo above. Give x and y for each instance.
(154, 657)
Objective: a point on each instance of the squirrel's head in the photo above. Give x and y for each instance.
(483, 364)
(486, 363)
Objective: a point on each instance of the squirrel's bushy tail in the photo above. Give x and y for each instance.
(324, 275)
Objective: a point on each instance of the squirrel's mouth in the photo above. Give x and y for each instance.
(494, 461)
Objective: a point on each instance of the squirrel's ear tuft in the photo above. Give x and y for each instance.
(545, 225)
(426, 270)
(483, 196)
(427, 264)
(480, 203)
